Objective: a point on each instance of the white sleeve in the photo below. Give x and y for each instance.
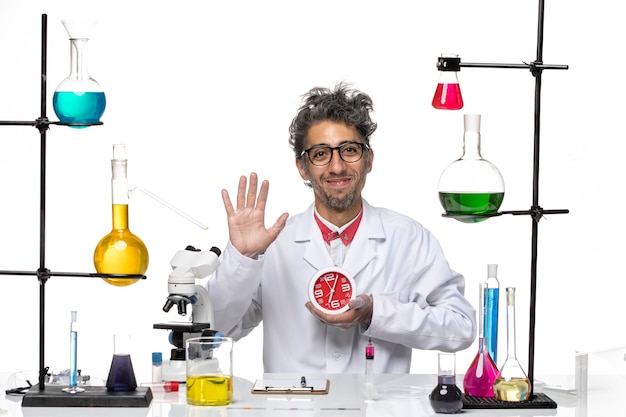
(234, 293)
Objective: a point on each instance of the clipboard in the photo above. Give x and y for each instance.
(296, 386)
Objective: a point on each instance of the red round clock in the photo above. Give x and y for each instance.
(331, 289)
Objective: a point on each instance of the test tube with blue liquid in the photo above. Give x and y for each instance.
(492, 299)
(73, 387)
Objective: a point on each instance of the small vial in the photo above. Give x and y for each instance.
(157, 367)
(170, 386)
(369, 369)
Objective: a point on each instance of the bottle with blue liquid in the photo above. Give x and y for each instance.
(492, 299)
(79, 100)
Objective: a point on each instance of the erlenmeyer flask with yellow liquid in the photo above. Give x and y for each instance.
(120, 252)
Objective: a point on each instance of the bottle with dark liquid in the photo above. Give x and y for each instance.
(120, 251)
(512, 383)
(471, 188)
(446, 398)
(121, 375)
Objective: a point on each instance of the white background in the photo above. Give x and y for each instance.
(202, 92)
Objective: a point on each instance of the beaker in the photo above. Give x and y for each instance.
(79, 100)
(210, 370)
(471, 188)
(511, 384)
(120, 251)
(446, 397)
(121, 375)
(448, 92)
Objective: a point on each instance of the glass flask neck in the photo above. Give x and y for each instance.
(119, 181)
(119, 194)
(78, 59)
(471, 145)
(121, 344)
(510, 324)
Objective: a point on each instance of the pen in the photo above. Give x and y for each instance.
(303, 382)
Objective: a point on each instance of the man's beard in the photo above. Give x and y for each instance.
(332, 202)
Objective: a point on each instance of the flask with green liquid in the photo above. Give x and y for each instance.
(471, 189)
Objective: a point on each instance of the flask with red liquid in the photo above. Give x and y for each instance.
(448, 93)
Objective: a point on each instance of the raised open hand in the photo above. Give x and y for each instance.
(246, 223)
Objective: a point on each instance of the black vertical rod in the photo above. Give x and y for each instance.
(42, 208)
(535, 208)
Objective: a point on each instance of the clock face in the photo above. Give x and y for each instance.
(331, 289)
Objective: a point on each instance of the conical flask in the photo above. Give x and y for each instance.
(481, 374)
(79, 100)
(121, 374)
(448, 92)
(471, 188)
(120, 251)
(512, 383)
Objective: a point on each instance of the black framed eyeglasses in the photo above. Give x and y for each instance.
(320, 155)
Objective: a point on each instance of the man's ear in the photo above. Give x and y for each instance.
(369, 167)
(301, 170)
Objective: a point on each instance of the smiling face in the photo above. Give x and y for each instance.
(338, 185)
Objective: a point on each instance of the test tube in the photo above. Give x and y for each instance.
(73, 383)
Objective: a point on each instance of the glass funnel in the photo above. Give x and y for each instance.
(471, 189)
(120, 251)
(512, 383)
(79, 100)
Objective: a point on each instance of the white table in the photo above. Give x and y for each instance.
(396, 395)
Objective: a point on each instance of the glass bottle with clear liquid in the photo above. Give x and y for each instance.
(446, 397)
(120, 251)
(121, 374)
(482, 372)
(79, 100)
(512, 383)
(471, 188)
(492, 301)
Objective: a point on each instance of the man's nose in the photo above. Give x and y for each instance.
(336, 163)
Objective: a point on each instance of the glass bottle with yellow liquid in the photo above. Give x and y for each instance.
(120, 252)
(512, 383)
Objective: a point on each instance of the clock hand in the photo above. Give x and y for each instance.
(326, 281)
(332, 290)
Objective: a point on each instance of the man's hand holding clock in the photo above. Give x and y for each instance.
(333, 299)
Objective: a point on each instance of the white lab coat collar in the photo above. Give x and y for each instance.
(361, 249)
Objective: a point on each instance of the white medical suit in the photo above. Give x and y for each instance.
(418, 300)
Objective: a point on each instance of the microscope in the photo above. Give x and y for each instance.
(187, 266)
